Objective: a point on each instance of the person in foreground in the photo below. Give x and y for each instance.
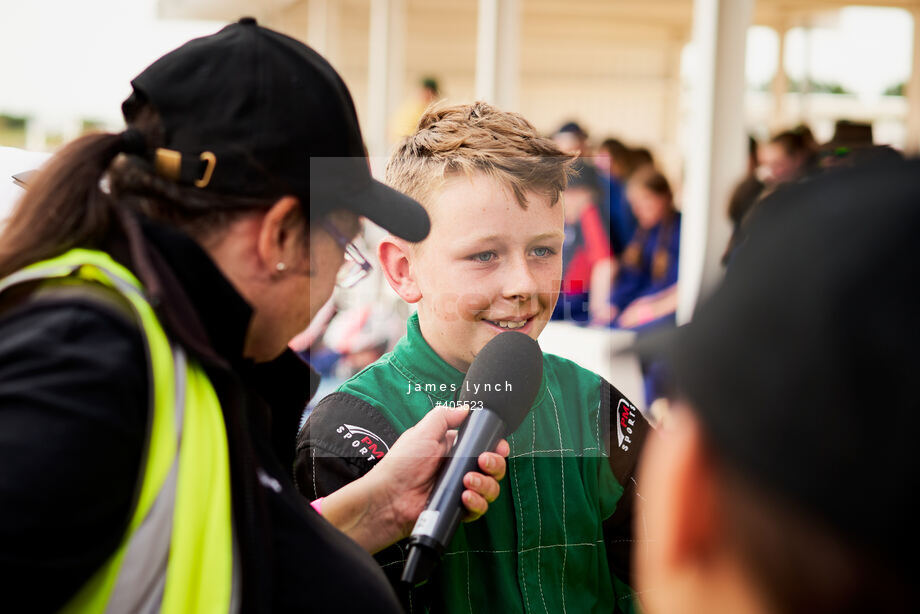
(149, 284)
(558, 537)
(784, 480)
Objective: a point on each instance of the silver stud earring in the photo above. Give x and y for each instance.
(280, 266)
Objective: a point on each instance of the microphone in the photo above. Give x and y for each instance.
(502, 383)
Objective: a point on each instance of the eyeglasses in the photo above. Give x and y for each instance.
(356, 267)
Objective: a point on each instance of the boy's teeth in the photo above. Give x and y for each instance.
(510, 324)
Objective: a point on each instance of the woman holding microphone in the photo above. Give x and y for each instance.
(149, 284)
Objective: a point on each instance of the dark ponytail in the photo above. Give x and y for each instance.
(63, 206)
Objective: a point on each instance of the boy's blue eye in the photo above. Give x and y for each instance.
(484, 257)
(543, 252)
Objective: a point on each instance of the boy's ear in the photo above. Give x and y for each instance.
(393, 254)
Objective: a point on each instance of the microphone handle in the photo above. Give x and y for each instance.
(437, 524)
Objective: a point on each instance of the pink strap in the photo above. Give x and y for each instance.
(318, 505)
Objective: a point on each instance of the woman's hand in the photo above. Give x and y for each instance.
(381, 507)
(637, 313)
(603, 314)
(413, 462)
(651, 307)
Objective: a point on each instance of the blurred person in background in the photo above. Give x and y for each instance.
(743, 198)
(840, 157)
(783, 481)
(789, 156)
(588, 264)
(852, 145)
(645, 288)
(745, 194)
(614, 161)
(353, 339)
(571, 138)
(641, 156)
(150, 282)
(405, 119)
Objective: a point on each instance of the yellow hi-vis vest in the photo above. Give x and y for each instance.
(177, 554)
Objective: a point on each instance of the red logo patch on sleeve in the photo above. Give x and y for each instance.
(626, 419)
(365, 443)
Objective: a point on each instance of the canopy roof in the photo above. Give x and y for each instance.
(674, 13)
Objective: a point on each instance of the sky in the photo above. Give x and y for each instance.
(60, 58)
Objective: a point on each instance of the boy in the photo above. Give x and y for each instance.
(557, 537)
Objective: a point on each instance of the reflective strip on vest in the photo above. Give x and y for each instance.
(177, 555)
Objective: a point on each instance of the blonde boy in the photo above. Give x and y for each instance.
(557, 537)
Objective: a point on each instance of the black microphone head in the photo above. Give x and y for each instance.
(505, 377)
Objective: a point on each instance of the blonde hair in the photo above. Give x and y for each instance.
(478, 137)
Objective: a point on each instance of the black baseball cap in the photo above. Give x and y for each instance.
(252, 112)
(803, 365)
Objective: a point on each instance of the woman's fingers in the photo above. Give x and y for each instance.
(475, 505)
(493, 464)
(482, 485)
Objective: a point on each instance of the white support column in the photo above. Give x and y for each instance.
(509, 54)
(670, 125)
(805, 89)
(669, 154)
(385, 69)
(323, 27)
(780, 81)
(36, 133)
(498, 52)
(912, 142)
(487, 50)
(717, 157)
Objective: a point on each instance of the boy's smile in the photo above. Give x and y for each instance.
(488, 266)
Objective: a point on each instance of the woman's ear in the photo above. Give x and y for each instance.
(687, 483)
(682, 559)
(280, 244)
(393, 254)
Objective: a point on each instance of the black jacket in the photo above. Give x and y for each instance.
(73, 414)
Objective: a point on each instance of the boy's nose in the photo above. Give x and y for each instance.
(520, 282)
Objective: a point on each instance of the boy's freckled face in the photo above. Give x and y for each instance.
(487, 266)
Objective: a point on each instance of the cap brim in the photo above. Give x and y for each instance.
(346, 183)
(391, 210)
